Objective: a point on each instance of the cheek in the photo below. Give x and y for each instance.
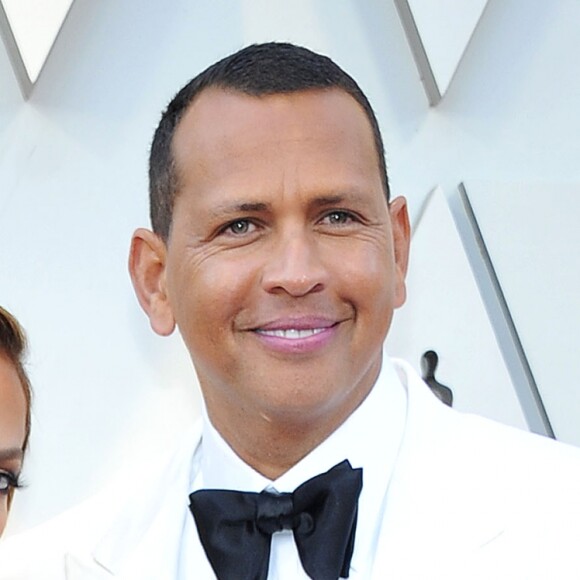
(370, 284)
(212, 296)
(3, 512)
(371, 274)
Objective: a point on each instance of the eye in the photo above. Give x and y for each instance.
(7, 482)
(339, 218)
(239, 227)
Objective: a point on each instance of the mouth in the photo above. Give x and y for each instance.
(292, 333)
(307, 334)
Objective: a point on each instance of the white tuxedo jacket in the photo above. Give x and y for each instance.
(469, 499)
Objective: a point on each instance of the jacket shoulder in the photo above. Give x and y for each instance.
(64, 546)
(40, 552)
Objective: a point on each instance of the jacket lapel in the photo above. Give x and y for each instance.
(77, 568)
(437, 519)
(145, 540)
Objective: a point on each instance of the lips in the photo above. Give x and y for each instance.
(294, 335)
(293, 326)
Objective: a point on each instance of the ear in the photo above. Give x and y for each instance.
(401, 240)
(147, 260)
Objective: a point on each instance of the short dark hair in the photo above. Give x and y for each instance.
(259, 69)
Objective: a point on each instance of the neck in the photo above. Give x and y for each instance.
(273, 443)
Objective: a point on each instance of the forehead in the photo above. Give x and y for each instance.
(222, 126)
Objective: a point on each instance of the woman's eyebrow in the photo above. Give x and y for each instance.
(8, 454)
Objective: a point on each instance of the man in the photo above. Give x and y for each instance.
(278, 254)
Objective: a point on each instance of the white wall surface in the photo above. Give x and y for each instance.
(439, 32)
(73, 185)
(445, 313)
(538, 270)
(35, 25)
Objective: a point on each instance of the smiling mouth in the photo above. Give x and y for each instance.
(292, 333)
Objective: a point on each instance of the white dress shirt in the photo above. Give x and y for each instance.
(370, 438)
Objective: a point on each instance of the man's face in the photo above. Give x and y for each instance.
(284, 261)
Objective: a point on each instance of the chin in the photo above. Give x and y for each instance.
(306, 404)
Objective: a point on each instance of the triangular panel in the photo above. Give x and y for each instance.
(29, 28)
(439, 32)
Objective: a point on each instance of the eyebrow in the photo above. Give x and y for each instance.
(226, 209)
(7, 454)
(324, 200)
(239, 207)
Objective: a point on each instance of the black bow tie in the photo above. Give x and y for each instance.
(235, 528)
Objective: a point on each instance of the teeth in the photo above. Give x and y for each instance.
(292, 333)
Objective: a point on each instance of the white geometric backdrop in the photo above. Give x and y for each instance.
(29, 28)
(73, 186)
(439, 32)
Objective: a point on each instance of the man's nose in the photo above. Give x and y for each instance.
(295, 266)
